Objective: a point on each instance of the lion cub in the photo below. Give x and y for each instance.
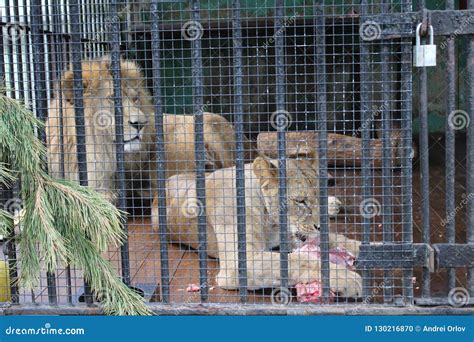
(262, 217)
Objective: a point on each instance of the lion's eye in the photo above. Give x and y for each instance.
(300, 201)
(110, 98)
(136, 99)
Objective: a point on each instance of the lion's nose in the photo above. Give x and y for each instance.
(138, 125)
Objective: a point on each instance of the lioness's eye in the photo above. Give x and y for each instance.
(301, 201)
(136, 99)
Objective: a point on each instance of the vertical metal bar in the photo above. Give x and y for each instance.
(199, 152)
(450, 150)
(11, 251)
(66, 33)
(321, 79)
(124, 28)
(424, 163)
(89, 22)
(406, 163)
(280, 108)
(160, 150)
(12, 267)
(470, 151)
(83, 26)
(76, 57)
(19, 56)
(28, 63)
(11, 73)
(6, 194)
(239, 134)
(47, 43)
(36, 19)
(366, 167)
(11, 255)
(10, 244)
(119, 146)
(58, 56)
(2, 67)
(387, 164)
(105, 21)
(95, 36)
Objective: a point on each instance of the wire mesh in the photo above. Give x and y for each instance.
(255, 145)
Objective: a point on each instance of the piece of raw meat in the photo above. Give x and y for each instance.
(311, 292)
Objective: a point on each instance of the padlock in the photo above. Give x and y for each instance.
(424, 55)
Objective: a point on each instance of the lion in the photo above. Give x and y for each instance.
(138, 132)
(262, 223)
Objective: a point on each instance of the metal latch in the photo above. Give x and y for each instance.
(454, 255)
(396, 255)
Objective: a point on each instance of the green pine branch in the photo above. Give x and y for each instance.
(62, 222)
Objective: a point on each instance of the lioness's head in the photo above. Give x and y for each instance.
(302, 186)
(99, 109)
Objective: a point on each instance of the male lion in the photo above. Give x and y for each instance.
(262, 223)
(138, 127)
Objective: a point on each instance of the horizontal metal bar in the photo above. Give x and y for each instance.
(431, 301)
(454, 255)
(396, 255)
(445, 23)
(249, 309)
(392, 26)
(65, 36)
(441, 255)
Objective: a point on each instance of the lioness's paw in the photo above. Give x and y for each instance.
(344, 282)
(352, 246)
(334, 205)
(227, 280)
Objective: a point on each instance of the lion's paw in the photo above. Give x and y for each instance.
(344, 282)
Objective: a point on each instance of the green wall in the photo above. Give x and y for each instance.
(177, 60)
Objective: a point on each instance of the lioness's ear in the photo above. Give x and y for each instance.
(311, 155)
(67, 86)
(265, 171)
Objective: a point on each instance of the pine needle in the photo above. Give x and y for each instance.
(6, 223)
(6, 219)
(61, 220)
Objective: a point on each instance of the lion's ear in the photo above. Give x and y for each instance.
(266, 172)
(67, 86)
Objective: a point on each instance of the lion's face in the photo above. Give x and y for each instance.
(101, 116)
(99, 103)
(302, 194)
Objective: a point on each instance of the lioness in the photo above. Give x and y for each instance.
(262, 222)
(138, 127)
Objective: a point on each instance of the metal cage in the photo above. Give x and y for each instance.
(281, 82)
